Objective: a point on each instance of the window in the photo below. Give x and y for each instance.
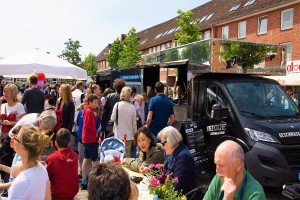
(225, 32)
(209, 16)
(287, 19)
(249, 3)
(206, 35)
(214, 95)
(288, 51)
(234, 8)
(242, 30)
(203, 18)
(262, 25)
(158, 35)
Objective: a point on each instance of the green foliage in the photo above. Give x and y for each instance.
(247, 54)
(114, 54)
(90, 65)
(189, 31)
(197, 53)
(131, 54)
(71, 53)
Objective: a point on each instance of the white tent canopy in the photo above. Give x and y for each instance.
(37, 61)
(289, 79)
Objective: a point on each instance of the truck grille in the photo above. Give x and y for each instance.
(292, 156)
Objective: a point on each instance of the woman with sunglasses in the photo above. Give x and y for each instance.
(179, 159)
(150, 152)
(33, 182)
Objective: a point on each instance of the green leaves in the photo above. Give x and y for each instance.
(189, 30)
(89, 64)
(114, 54)
(131, 54)
(71, 53)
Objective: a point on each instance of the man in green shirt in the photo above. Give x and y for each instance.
(232, 181)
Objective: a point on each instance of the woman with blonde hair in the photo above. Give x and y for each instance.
(11, 112)
(65, 109)
(124, 118)
(33, 182)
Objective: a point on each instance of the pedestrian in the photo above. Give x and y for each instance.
(160, 111)
(89, 137)
(111, 100)
(62, 167)
(33, 98)
(124, 118)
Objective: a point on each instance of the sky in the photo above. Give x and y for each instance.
(48, 24)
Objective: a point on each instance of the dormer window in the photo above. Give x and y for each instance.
(234, 8)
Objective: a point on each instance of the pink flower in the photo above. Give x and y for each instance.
(159, 165)
(176, 180)
(153, 182)
(151, 165)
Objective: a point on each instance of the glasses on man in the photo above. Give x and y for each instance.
(164, 143)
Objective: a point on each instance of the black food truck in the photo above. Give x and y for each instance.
(225, 102)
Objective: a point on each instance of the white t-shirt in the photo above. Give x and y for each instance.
(29, 184)
(30, 118)
(18, 109)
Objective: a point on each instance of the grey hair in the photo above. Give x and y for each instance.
(172, 136)
(125, 94)
(234, 149)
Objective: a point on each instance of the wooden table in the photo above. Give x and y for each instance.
(142, 186)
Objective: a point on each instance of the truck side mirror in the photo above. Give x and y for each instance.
(216, 112)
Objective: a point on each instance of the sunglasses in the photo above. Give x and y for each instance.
(15, 138)
(164, 143)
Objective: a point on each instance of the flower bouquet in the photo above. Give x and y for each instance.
(161, 183)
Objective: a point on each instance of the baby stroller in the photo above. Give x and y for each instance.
(112, 146)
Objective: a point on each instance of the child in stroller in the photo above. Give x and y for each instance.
(112, 147)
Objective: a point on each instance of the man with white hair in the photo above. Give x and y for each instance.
(232, 180)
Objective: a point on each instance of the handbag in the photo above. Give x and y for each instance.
(11, 117)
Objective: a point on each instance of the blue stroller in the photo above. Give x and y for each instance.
(112, 146)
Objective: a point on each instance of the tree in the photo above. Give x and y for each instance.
(245, 54)
(90, 65)
(189, 30)
(71, 53)
(131, 54)
(114, 54)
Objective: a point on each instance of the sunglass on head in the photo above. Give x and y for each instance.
(15, 138)
(163, 143)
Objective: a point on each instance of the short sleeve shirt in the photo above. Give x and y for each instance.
(162, 109)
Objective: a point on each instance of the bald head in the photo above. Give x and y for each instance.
(231, 149)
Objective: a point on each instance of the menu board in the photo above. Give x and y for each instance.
(193, 138)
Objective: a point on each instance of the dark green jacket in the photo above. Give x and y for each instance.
(155, 156)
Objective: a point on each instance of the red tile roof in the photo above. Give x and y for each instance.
(219, 11)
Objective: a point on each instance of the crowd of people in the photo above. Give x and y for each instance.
(73, 121)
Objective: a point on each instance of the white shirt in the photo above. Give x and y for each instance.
(30, 118)
(29, 184)
(76, 94)
(126, 120)
(18, 109)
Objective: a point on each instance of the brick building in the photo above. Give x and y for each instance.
(263, 21)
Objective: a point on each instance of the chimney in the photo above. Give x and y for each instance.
(122, 37)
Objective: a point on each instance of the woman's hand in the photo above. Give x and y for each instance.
(6, 122)
(144, 170)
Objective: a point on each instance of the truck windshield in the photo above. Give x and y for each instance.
(263, 99)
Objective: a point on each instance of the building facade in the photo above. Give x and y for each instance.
(261, 21)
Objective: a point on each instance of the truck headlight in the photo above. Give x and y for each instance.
(261, 136)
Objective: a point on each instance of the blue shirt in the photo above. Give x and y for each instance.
(162, 108)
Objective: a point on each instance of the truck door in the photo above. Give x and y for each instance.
(213, 130)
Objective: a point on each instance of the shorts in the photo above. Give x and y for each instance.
(91, 151)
